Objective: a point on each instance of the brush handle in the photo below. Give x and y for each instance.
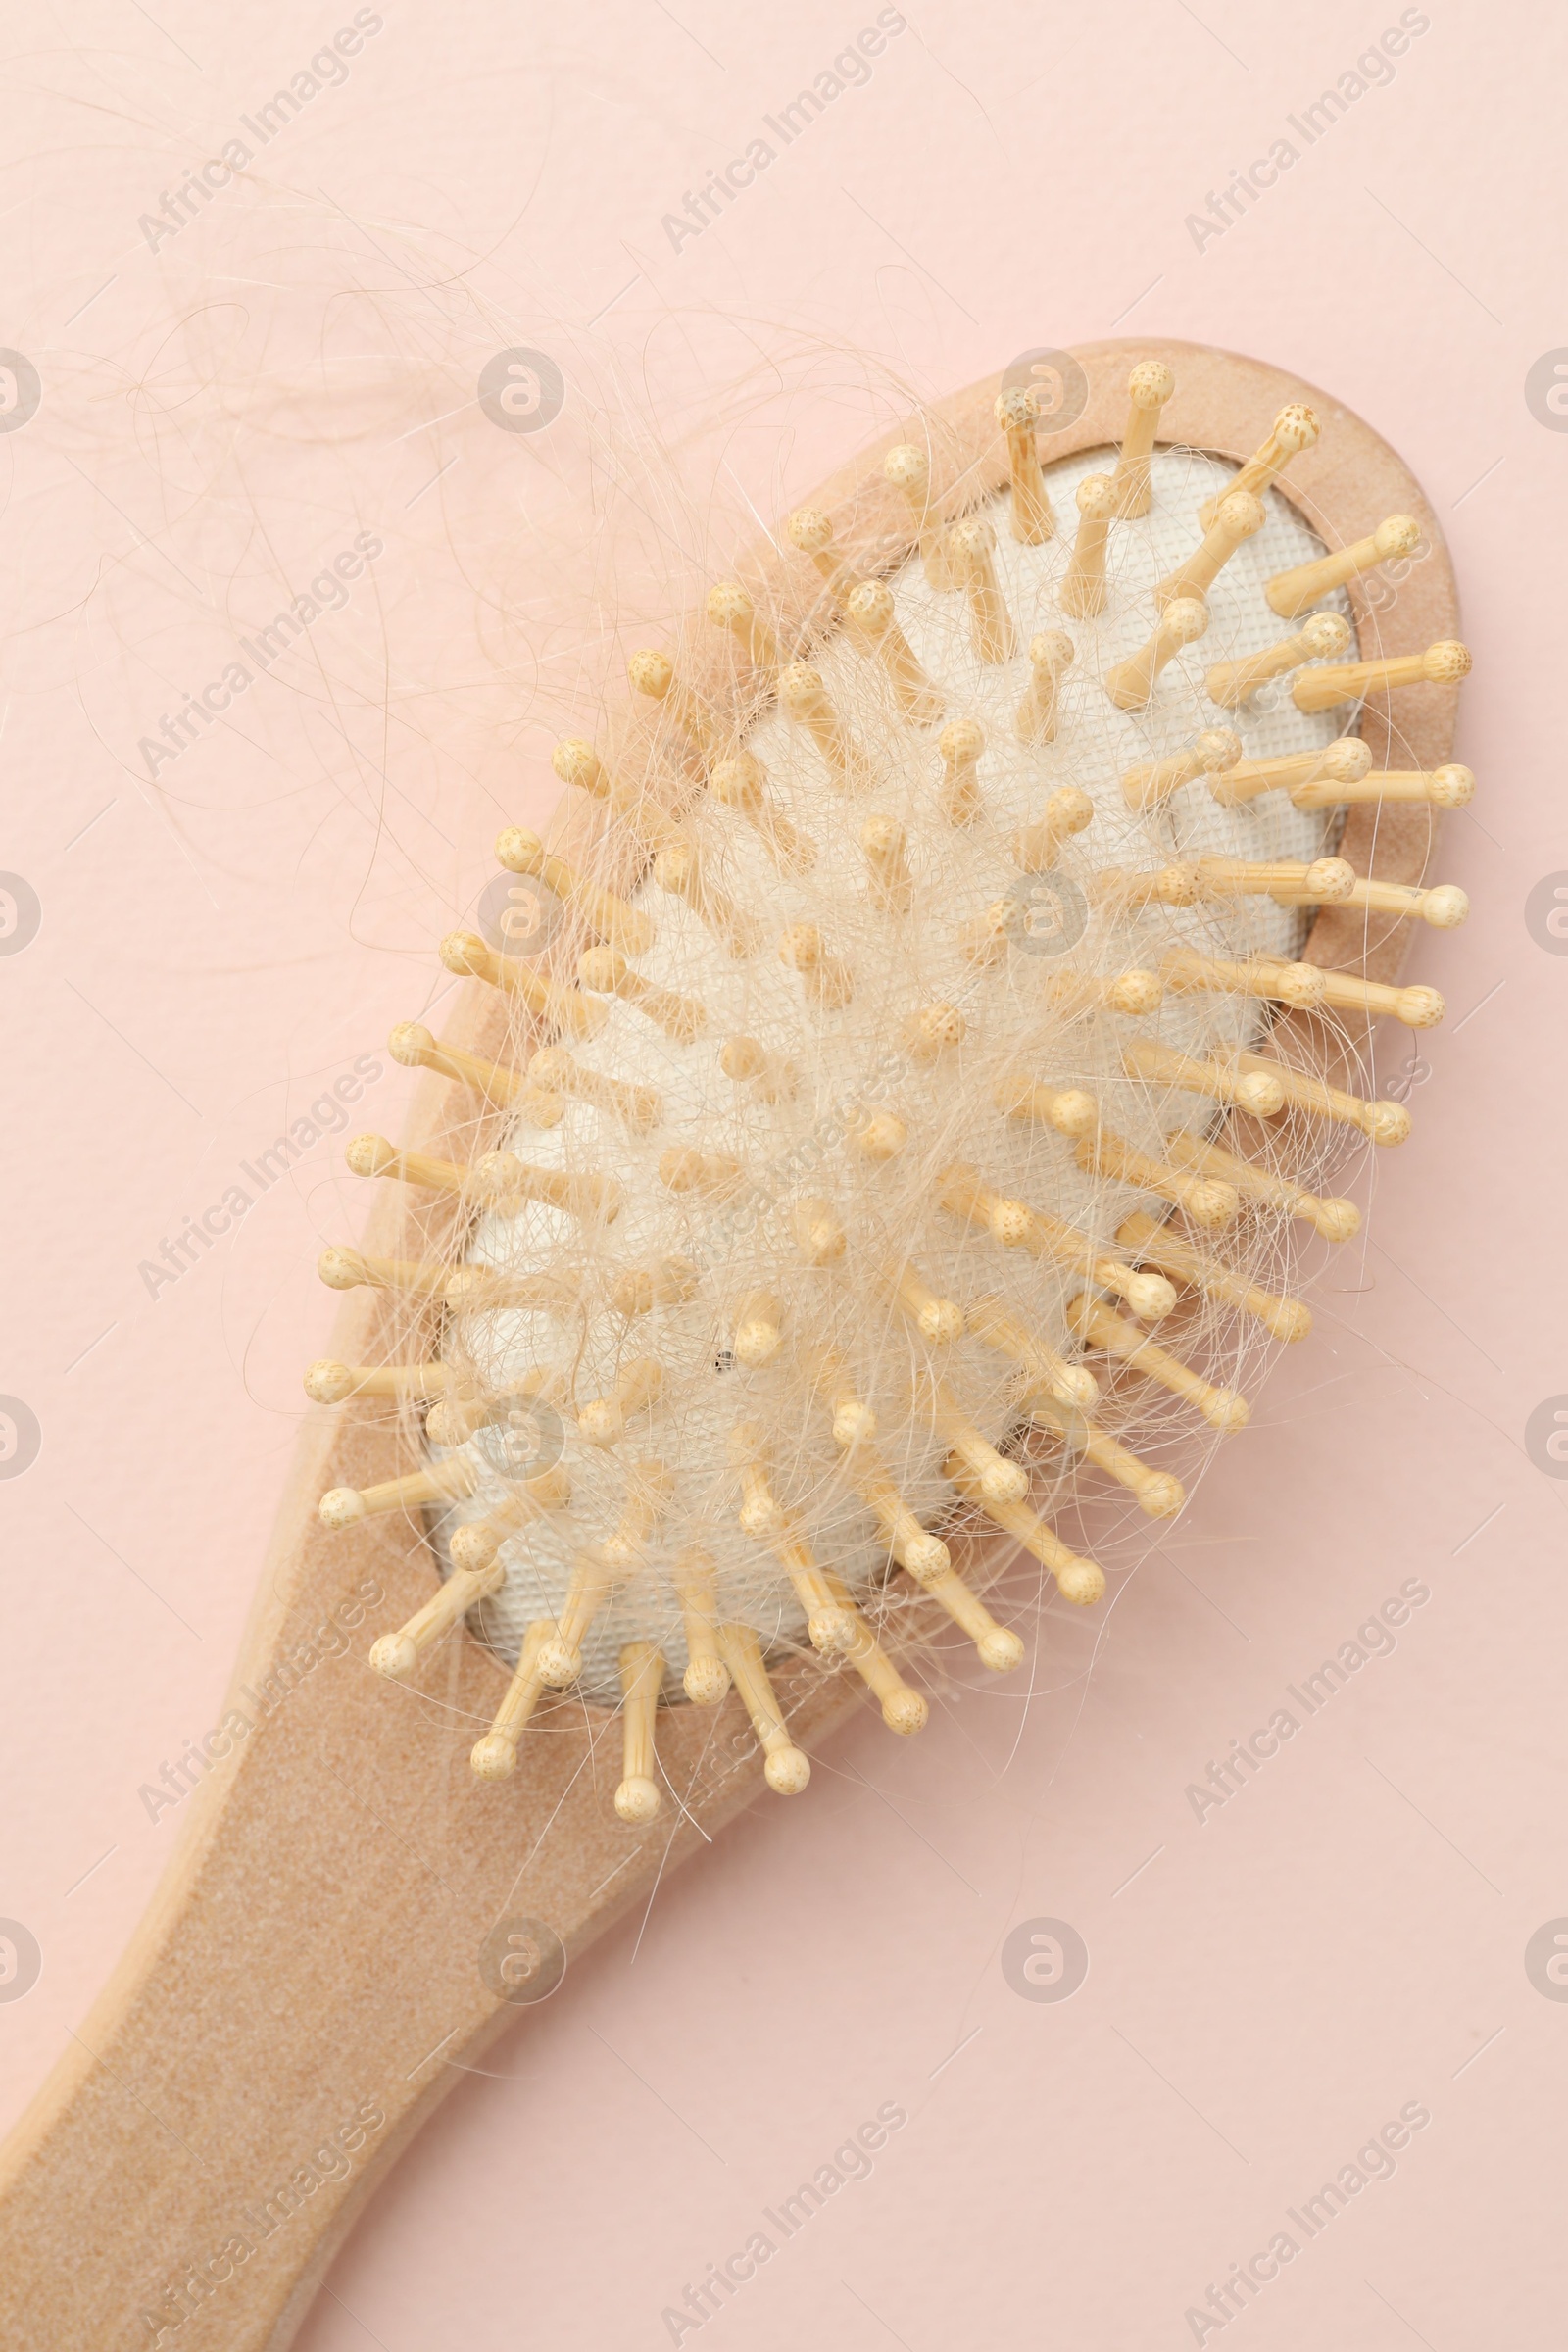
(330, 1944)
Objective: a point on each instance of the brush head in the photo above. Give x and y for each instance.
(861, 977)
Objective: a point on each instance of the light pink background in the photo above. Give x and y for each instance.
(219, 943)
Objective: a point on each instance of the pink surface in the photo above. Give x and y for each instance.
(1267, 1987)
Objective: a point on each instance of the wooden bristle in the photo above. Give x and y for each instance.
(1322, 638)
(480, 1290)
(1083, 591)
(650, 1492)
(443, 1481)
(707, 1677)
(396, 1655)
(1099, 1327)
(476, 1541)
(1051, 657)
(1211, 753)
(496, 1755)
(935, 1318)
(969, 561)
(414, 1048)
(730, 607)
(1256, 1091)
(1148, 387)
(909, 469)
(892, 884)
(1293, 429)
(1381, 1122)
(1132, 682)
(588, 1590)
(499, 1179)
(465, 952)
(1125, 893)
(1443, 905)
(329, 1383)
(653, 675)
(786, 1768)
(961, 746)
(1290, 593)
(877, 1135)
(641, 1671)
(828, 980)
(804, 698)
(1327, 881)
(711, 1175)
(987, 1319)
(637, 1390)
(772, 1077)
(818, 1234)
(1212, 1164)
(618, 924)
(1018, 1226)
(1080, 1581)
(759, 1330)
(575, 762)
(639, 1109)
(1416, 1007)
(609, 974)
(812, 531)
(1036, 846)
(904, 1710)
(1237, 518)
(1206, 1200)
(1160, 1495)
(667, 1282)
(1301, 986)
(678, 870)
(740, 784)
(350, 1269)
(998, 1480)
(1157, 1245)
(870, 618)
(763, 1517)
(933, 1031)
(1441, 664)
(1066, 1109)
(1343, 761)
(1018, 413)
(1447, 787)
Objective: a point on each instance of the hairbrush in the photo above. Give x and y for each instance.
(873, 1149)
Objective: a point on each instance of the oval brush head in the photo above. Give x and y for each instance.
(922, 1131)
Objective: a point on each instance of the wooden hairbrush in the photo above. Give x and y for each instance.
(877, 1123)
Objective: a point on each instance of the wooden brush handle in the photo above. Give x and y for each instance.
(346, 1920)
(345, 1923)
